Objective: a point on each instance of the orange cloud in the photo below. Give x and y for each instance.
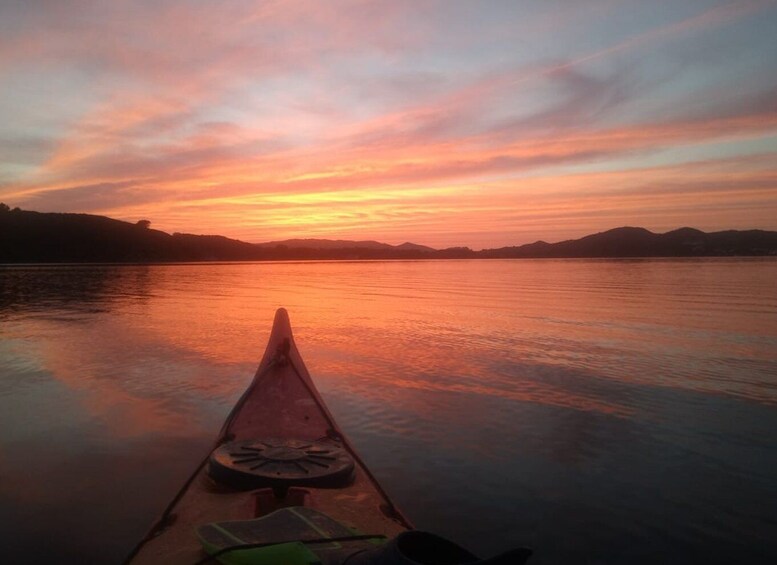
(211, 126)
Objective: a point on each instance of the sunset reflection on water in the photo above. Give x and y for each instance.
(500, 402)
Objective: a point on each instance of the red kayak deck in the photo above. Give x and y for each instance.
(280, 403)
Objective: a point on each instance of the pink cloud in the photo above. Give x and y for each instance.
(197, 107)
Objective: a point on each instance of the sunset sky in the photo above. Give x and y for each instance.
(479, 123)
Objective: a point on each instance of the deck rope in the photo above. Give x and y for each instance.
(257, 545)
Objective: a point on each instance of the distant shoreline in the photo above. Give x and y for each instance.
(340, 261)
(50, 238)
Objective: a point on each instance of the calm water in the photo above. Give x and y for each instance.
(599, 411)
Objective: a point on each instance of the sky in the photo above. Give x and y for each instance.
(445, 123)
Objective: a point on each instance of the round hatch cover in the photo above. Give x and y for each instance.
(280, 462)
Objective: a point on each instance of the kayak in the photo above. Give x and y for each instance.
(282, 484)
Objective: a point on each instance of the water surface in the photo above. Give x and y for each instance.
(599, 411)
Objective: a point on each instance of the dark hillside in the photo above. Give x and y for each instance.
(639, 242)
(34, 237)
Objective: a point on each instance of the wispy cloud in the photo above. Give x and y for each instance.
(381, 115)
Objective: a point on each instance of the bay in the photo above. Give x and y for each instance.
(599, 411)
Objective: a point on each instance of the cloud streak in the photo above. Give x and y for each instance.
(276, 119)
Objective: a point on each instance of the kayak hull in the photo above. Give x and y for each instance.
(281, 403)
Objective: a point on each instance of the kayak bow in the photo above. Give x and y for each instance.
(282, 486)
(279, 461)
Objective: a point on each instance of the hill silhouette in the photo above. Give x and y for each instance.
(639, 242)
(325, 244)
(35, 237)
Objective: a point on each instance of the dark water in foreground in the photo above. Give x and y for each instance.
(599, 411)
